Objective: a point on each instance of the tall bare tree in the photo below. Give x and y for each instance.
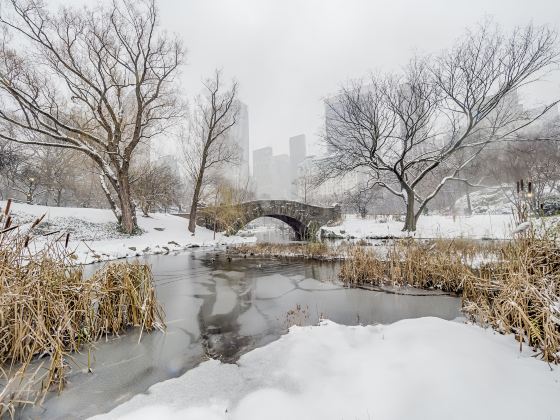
(99, 81)
(208, 145)
(407, 130)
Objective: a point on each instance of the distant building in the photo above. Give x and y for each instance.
(263, 172)
(238, 174)
(273, 174)
(298, 152)
(281, 181)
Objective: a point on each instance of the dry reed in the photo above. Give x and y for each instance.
(48, 308)
(520, 295)
(434, 264)
(515, 289)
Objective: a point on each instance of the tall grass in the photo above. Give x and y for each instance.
(48, 308)
(440, 264)
(521, 294)
(514, 289)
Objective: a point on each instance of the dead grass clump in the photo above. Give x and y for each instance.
(363, 266)
(49, 309)
(426, 265)
(521, 295)
(431, 265)
(515, 289)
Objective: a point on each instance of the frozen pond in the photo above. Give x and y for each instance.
(219, 308)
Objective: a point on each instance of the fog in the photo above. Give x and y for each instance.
(288, 55)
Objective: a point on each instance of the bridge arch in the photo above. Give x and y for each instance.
(297, 226)
(303, 218)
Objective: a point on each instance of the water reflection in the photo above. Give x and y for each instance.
(221, 308)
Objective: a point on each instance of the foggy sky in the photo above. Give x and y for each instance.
(287, 55)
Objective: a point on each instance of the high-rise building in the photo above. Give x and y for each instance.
(262, 171)
(281, 185)
(298, 151)
(238, 174)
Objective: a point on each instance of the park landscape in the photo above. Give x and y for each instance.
(401, 262)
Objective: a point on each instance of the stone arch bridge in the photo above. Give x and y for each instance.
(304, 219)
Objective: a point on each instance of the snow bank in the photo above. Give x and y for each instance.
(94, 235)
(495, 226)
(423, 368)
(486, 201)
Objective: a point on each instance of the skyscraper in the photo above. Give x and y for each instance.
(262, 171)
(238, 174)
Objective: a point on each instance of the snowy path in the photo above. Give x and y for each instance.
(424, 368)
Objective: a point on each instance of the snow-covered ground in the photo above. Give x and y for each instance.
(486, 201)
(425, 368)
(94, 235)
(495, 226)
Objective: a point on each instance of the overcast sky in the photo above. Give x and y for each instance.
(287, 55)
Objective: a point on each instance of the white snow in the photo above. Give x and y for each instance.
(94, 236)
(425, 368)
(487, 200)
(522, 227)
(495, 226)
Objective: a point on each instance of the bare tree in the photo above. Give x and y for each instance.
(226, 212)
(407, 130)
(98, 81)
(57, 169)
(208, 146)
(155, 185)
(12, 160)
(360, 199)
(305, 183)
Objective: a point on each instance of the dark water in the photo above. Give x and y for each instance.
(220, 308)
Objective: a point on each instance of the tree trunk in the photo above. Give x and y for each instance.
(410, 221)
(128, 211)
(145, 209)
(194, 203)
(109, 197)
(469, 206)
